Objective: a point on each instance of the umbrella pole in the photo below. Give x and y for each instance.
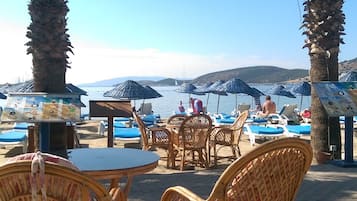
(300, 103)
(218, 103)
(207, 102)
(236, 106)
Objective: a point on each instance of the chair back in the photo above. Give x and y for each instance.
(176, 119)
(237, 126)
(58, 183)
(194, 131)
(271, 172)
(243, 107)
(142, 128)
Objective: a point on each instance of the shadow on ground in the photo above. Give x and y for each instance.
(323, 182)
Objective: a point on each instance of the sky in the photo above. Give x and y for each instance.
(170, 38)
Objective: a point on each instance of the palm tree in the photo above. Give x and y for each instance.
(323, 23)
(49, 44)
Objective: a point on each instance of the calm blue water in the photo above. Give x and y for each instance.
(166, 105)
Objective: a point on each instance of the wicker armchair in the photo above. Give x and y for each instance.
(176, 119)
(271, 172)
(228, 136)
(159, 137)
(192, 137)
(58, 183)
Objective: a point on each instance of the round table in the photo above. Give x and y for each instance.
(113, 163)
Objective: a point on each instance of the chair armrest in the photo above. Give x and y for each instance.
(116, 194)
(179, 193)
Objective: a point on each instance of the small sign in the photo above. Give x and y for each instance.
(110, 108)
(338, 98)
(41, 107)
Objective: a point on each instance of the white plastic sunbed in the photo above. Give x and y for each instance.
(254, 131)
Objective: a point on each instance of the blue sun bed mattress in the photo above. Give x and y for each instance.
(262, 130)
(12, 136)
(299, 129)
(21, 126)
(126, 132)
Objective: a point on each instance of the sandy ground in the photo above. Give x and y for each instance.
(151, 185)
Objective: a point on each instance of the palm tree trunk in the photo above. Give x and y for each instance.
(323, 23)
(49, 44)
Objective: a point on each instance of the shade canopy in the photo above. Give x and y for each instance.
(153, 92)
(235, 86)
(302, 88)
(28, 87)
(256, 92)
(349, 76)
(189, 88)
(204, 88)
(131, 90)
(2, 96)
(280, 90)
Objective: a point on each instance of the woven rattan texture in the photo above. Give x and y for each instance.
(61, 183)
(271, 172)
(228, 136)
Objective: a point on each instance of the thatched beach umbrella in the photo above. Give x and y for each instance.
(215, 89)
(349, 76)
(204, 89)
(235, 86)
(189, 89)
(304, 89)
(280, 90)
(2, 96)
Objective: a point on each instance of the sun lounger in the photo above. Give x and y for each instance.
(127, 133)
(297, 130)
(13, 137)
(254, 131)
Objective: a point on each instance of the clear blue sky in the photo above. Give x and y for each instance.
(175, 38)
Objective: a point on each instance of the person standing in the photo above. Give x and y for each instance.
(181, 108)
(197, 105)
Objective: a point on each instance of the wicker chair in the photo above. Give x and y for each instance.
(176, 119)
(159, 137)
(228, 136)
(59, 183)
(271, 172)
(192, 137)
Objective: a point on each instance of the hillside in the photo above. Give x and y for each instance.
(254, 74)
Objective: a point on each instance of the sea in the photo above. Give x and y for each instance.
(167, 105)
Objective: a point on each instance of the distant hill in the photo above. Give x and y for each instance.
(348, 65)
(114, 81)
(251, 74)
(254, 74)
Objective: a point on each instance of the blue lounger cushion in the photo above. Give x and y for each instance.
(119, 124)
(13, 136)
(21, 126)
(226, 120)
(299, 129)
(266, 130)
(121, 119)
(126, 133)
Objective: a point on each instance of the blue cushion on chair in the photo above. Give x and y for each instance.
(12, 136)
(126, 132)
(299, 129)
(266, 130)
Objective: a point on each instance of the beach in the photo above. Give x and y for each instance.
(322, 182)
